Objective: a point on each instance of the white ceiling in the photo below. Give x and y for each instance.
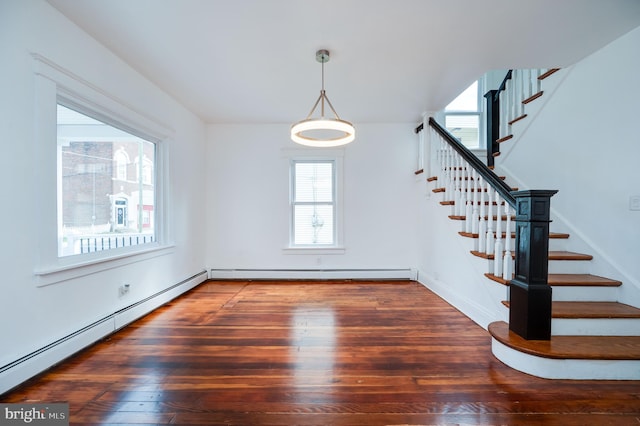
(240, 61)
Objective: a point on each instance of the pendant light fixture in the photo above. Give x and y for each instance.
(323, 131)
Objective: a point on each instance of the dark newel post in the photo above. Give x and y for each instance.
(493, 124)
(530, 293)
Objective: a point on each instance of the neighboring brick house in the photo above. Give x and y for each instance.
(103, 185)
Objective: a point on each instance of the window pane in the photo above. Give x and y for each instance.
(467, 101)
(313, 224)
(313, 182)
(107, 186)
(465, 128)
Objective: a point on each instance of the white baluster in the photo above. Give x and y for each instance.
(507, 263)
(512, 96)
(537, 84)
(504, 111)
(519, 96)
(533, 76)
(482, 223)
(458, 207)
(462, 187)
(490, 246)
(475, 219)
(468, 212)
(498, 252)
(443, 176)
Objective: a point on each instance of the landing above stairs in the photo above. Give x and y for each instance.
(568, 357)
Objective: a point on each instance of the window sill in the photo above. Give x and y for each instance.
(68, 269)
(314, 250)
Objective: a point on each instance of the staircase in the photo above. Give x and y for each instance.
(593, 336)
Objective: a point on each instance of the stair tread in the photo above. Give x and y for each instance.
(548, 73)
(591, 310)
(568, 255)
(553, 255)
(569, 280)
(570, 347)
(581, 280)
(532, 98)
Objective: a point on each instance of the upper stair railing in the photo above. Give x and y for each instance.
(506, 105)
(485, 202)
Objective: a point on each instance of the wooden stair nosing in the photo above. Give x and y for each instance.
(591, 310)
(532, 98)
(553, 255)
(515, 120)
(570, 347)
(432, 178)
(504, 138)
(568, 280)
(568, 255)
(548, 73)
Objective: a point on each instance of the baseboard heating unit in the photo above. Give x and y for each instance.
(37, 361)
(314, 274)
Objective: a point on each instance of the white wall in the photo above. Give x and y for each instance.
(586, 143)
(248, 194)
(33, 316)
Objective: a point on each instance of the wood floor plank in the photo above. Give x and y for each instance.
(312, 353)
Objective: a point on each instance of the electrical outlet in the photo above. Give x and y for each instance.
(123, 289)
(634, 202)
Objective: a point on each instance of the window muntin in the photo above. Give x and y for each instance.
(98, 208)
(313, 203)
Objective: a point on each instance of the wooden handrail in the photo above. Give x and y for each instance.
(503, 85)
(487, 174)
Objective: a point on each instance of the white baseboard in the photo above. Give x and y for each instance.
(22, 369)
(313, 274)
(476, 312)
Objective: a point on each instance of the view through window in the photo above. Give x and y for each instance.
(313, 203)
(106, 186)
(462, 117)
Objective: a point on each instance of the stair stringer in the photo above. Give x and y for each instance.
(447, 268)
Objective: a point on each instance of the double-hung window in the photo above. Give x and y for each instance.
(463, 117)
(313, 203)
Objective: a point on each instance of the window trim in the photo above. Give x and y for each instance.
(53, 85)
(314, 155)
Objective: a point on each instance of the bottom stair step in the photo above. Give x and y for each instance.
(570, 347)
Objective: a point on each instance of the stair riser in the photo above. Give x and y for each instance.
(595, 327)
(574, 369)
(585, 294)
(569, 266)
(555, 266)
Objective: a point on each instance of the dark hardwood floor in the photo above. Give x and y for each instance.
(308, 353)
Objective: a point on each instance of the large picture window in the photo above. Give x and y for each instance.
(106, 185)
(313, 203)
